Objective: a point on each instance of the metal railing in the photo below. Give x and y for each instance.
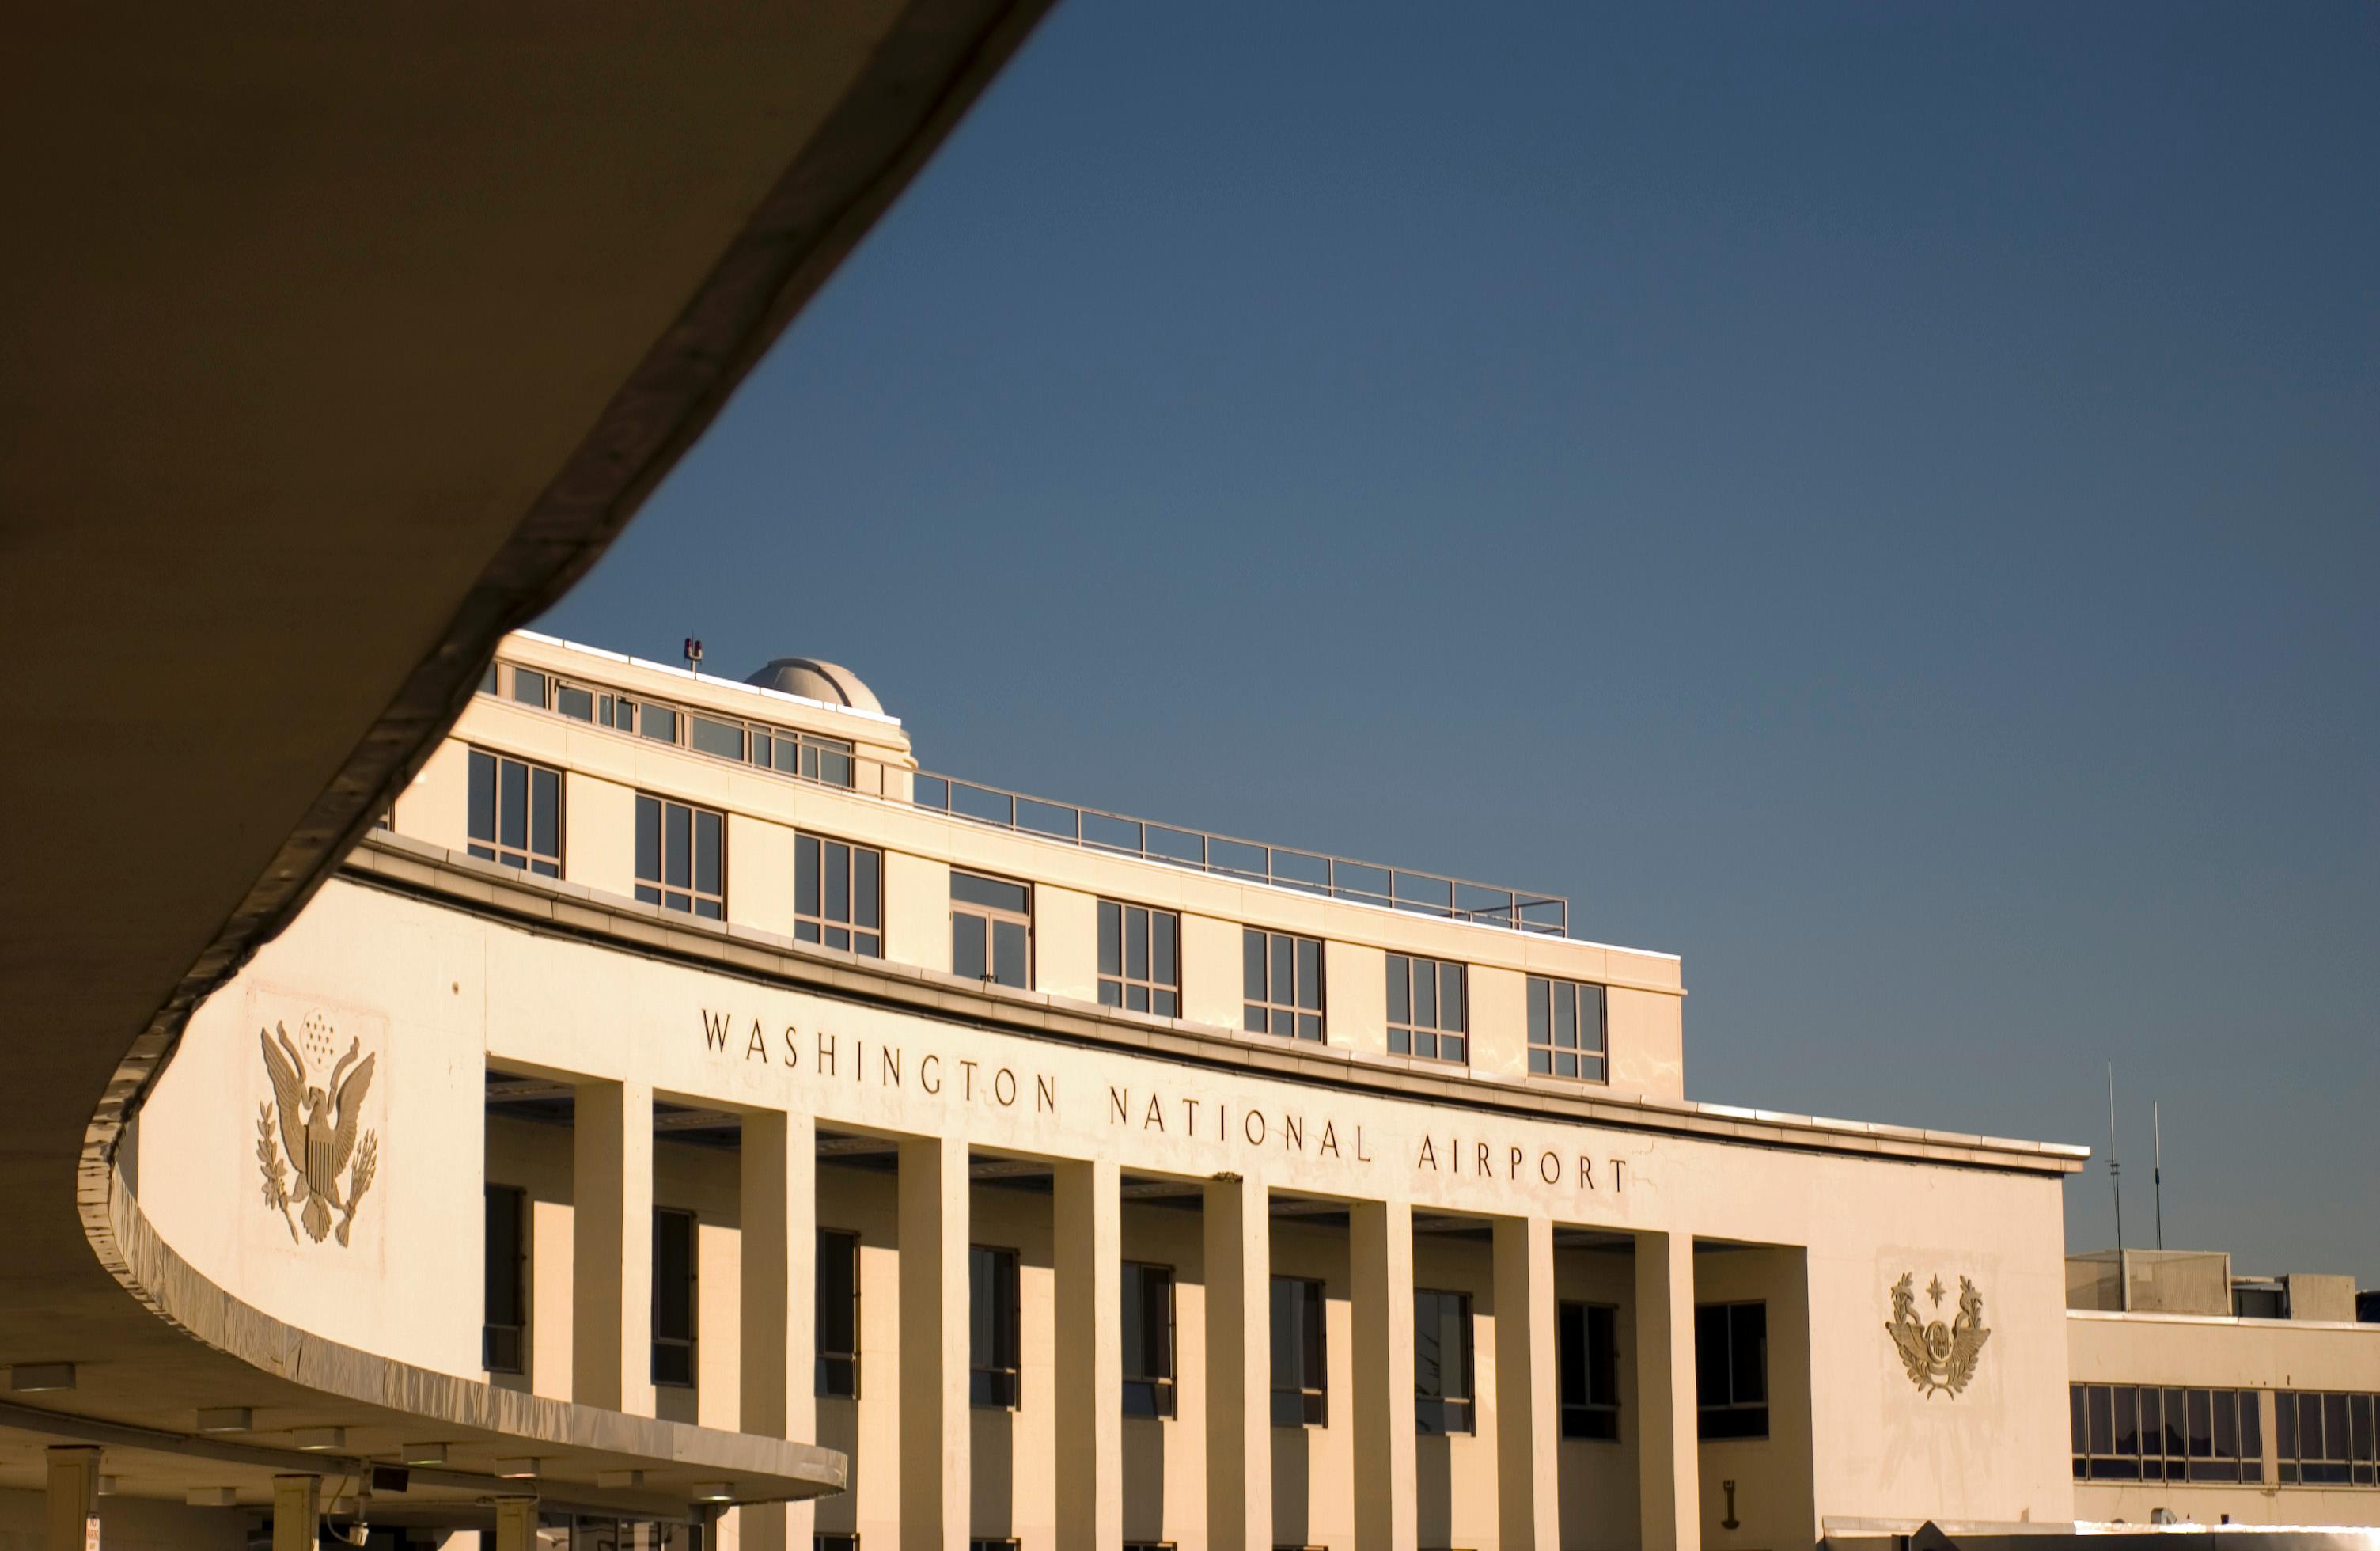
(763, 744)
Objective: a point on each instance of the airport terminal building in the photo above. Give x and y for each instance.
(681, 1048)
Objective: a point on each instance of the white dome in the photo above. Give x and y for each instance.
(815, 680)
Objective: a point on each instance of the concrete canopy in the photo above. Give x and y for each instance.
(339, 341)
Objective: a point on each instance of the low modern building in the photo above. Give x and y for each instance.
(1083, 1180)
(2203, 1397)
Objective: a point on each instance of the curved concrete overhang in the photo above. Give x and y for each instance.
(340, 343)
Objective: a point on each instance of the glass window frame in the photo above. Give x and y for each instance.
(655, 890)
(503, 1344)
(985, 919)
(527, 857)
(1128, 926)
(818, 924)
(1593, 1416)
(2307, 1452)
(2152, 1432)
(836, 1245)
(1410, 1037)
(996, 1384)
(1305, 1403)
(1742, 1413)
(1291, 1012)
(1548, 998)
(1156, 1391)
(689, 1343)
(1453, 1414)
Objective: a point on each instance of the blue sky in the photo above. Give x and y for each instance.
(1881, 500)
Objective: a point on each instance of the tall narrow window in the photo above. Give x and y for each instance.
(992, 930)
(1148, 1340)
(1731, 1369)
(679, 864)
(1140, 967)
(1566, 1030)
(673, 1302)
(1442, 1361)
(1426, 1013)
(1282, 982)
(515, 814)
(1588, 1361)
(838, 895)
(838, 1314)
(991, 1327)
(506, 1309)
(1300, 1365)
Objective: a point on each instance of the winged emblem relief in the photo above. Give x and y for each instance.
(315, 1122)
(1940, 1356)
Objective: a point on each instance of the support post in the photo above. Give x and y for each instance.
(1528, 1482)
(779, 1335)
(937, 1480)
(1239, 1374)
(1086, 1209)
(1668, 1448)
(297, 1512)
(73, 1497)
(1379, 1243)
(515, 1524)
(611, 1247)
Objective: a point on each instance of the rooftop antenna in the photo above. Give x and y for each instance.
(2156, 1164)
(2116, 1183)
(693, 655)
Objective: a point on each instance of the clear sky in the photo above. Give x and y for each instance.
(1883, 500)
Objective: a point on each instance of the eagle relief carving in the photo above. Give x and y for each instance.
(317, 1121)
(1938, 1356)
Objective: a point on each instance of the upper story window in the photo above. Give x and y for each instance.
(802, 754)
(1732, 1370)
(680, 864)
(2323, 1440)
(1300, 1363)
(1140, 964)
(1587, 1359)
(515, 814)
(991, 1327)
(838, 895)
(1442, 1361)
(991, 929)
(1566, 1030)
(2127, 1432)
(504, 1312)
(838, 1314)
(1426, 1013)
(1281, 980)
(1148, 1340)
(674, 1300)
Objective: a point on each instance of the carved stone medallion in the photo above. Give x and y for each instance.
(1940, 1357)
(317, 1121)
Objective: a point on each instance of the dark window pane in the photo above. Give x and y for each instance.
(1425, 993)
(573, 702)
(866, 887)
(483, 796)
(1136, 997)
(1163, 925)
(971, 888)
(660, 723)
(1136, 944)
(805, 875)
(1252, 966)
(1166, 1004)
(529, 687)
(545, 812)
(1309, 974)
(678, 843)
(1309, 1026)
(1449, 996)
(1566, 1017)
(967, 939)
(707, 852)
(1008, 953)
(2227, 1424)
(1111, 993)
(1590, 1018)
(722, 738)
(834, 877)
(2128, 1419)
(1540, 1012)
(512, 804)
(2202, 1424)
(1284, 967)
(1111, 937)
(1710, 1355)
(1570, 1360)
(649, 842)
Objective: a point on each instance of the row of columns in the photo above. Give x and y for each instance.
(611, 1334)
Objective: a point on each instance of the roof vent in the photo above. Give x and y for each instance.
(815, 680)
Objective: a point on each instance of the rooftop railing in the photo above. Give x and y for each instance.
(805, 757)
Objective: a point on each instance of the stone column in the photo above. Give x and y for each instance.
(1380, 1246)
(611, 1247)
(73, 1497)
(1086, 1212)
(936, 1483)
(1528, 1481)
(515, 1524)
(1239, 1364)
(778, 1395)
(1668, 1451)
(297, 1512)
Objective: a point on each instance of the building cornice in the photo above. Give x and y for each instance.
(405, 865)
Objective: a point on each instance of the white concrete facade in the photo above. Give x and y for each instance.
(928, 1114)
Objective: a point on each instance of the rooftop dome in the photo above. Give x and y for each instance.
(814, 680)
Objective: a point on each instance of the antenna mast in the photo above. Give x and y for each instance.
(2116, 1184)
(2156, 1165)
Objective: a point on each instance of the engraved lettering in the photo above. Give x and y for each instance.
(757, 1044)
(826, 1055)
(714, 1029)
(1549, 1168)
(1252, 1126)
(1044, 1096)
(1329, 1143)
(1004, 1078)
(1428, 1158)
(967, 1086)
(1117, 1115)
(891, 1067)
(1156, 1117)
(925, 1065)
(1292, 1133)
